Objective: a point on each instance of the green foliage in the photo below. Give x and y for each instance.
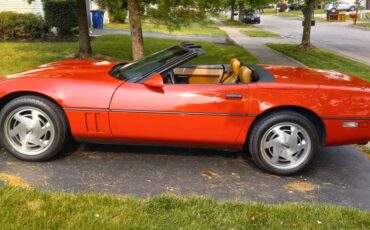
(15, 26)
(61, 14)
(175, 13)
(117, 9)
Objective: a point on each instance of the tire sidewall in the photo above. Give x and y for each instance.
(55, 116)
(265, 124)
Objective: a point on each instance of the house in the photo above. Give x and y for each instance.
(22, 6)
(36, 7)
(366, 4)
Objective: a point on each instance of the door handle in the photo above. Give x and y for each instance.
(234, 96)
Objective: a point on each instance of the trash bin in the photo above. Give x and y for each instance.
(97, 19)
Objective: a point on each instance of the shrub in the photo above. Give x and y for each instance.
(61, 14)
(117, 9)
(15, 26)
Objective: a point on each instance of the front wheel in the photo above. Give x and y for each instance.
(33, 128)
(283, 143)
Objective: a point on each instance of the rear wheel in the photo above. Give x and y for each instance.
(33, 128)
(283, 143)
(352, 8)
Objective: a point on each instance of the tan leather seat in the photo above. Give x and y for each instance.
(245, 75)
(233, 72)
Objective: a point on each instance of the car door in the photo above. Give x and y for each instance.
(209, 115)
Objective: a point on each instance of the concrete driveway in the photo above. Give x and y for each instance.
(339, 175)
(338, 37)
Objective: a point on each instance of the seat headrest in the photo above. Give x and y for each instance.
(245, 75)
(234, 66)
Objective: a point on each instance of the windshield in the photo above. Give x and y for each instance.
(142, 67)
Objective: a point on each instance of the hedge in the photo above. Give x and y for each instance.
(61, 14)
(15, 26)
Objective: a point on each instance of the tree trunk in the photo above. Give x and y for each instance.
(307, 10)
(84, 36)
(241, 11)
(232, 10)
(136, 30)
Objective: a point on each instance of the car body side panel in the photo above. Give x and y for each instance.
(89, 124)
(339, 135)
(195, 115)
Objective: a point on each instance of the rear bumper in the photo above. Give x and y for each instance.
(337, 134)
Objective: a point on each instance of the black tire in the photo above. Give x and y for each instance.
(264, 124)
(333, 10)
(57, 118)
(352, 8)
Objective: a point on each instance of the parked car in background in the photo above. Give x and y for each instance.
(295, 6)
(252, 16)
(269, 6)
(333, 7)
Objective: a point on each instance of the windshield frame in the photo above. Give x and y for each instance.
(191, 52)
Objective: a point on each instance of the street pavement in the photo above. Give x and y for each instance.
(336, 36)
(339, 175)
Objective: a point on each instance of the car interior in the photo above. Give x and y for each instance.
(210, 74)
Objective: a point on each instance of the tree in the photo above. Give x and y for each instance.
(241, 10)
(307, 10)
(232, 3)
(136, 30)
(117, 9)
(84, 37)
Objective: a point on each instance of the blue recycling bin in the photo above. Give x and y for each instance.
(97, 19)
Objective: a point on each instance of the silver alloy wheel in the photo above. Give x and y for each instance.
(285, 145)
(29, 130)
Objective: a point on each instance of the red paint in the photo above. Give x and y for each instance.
(101, 108)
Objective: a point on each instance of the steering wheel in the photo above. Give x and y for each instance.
(172, 76)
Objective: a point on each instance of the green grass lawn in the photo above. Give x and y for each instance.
(323, 59)
(238, 24)
(364, 24)
(298, 13)
(17, 56)
(259, 33)
(32, 209)
(207, 28)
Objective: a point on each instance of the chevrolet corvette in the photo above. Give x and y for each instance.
(279, 115)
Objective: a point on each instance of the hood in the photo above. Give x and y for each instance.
(68, 69)
(308, 76)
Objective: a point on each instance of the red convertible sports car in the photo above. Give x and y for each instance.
(280, 115)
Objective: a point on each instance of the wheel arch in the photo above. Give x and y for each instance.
(309, 114)
(11, 96)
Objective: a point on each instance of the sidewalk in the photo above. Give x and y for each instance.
(257, 47)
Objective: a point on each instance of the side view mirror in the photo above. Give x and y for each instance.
(155, 81)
